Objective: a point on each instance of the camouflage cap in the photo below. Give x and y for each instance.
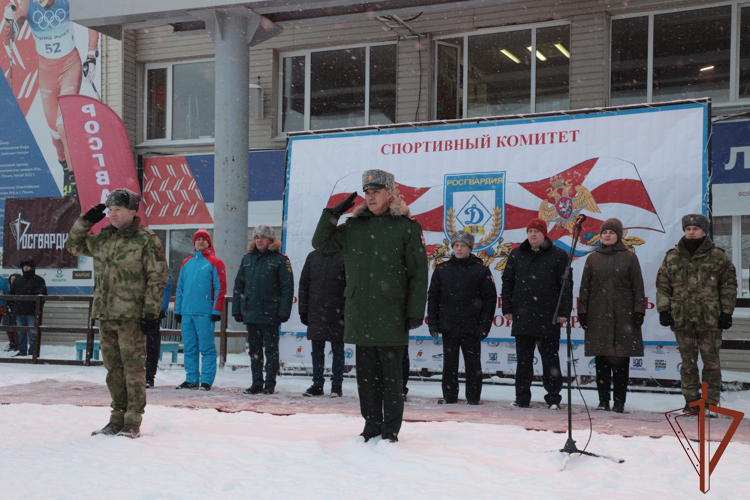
(123, 197)
(699, 220)
(377, 179)
(462, 237)
(264, 230)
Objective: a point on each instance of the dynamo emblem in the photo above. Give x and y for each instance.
(475, 203)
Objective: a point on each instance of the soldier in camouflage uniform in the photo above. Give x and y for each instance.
(696, 290)
(130, 273)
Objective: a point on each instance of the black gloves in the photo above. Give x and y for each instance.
(434, 332)
(583, 319)
(95, 214)
(178, 318)
(303, 318)
(482, 334)
(238, 318)
(666, 319)
(162, 315)
(413, 323)
(282, 319)
(345, 205)
(215, 317)
(149, 325)
(725, 321)
(638, 319)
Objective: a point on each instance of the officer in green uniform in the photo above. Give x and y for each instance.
(130, 273)
(386, 292)
(696, 291)
(262, 299)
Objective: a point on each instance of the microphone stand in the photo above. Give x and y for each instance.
(570, 445)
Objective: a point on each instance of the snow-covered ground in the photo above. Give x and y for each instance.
(47, 452)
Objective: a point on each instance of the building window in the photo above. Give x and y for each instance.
(502, 77)
(732, 234)
(338, 88)
(180, 102)
(681, 55)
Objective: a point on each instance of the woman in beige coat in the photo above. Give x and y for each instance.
(611, 309)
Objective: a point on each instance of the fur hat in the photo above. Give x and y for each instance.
(613, 225)
(264, 230)
(539, 224)
(28, 261)
(123, 197)
(377, 179)
(463, 237)
(202, 233)
(699, 220)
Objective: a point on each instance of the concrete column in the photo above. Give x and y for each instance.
(230, 162)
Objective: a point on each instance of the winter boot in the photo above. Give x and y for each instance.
(473, 403)
(443, 401)
(618, 407)
(367, 437)
(603, 406)
(130, 431)
(254, 389)
(313, 391)
(187, 385)
(389, 436)
(149, 383)
(205, 387)
(336, 391)
(109, 430)
(516, 404)
(268, 390)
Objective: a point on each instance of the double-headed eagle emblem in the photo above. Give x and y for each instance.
(567, 203)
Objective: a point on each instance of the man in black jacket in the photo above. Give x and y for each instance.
(24, 310)
(532, 281)
(321, 309)
(460, 306)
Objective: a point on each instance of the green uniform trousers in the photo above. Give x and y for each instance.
(708, 343)
(123, 347)
(381, 389)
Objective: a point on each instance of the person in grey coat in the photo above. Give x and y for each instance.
(321, 309)
(611, 309)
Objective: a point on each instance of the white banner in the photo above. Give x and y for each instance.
(647, 167)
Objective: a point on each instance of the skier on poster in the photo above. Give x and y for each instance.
(60, 66)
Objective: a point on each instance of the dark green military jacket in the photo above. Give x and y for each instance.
(130, 270)
(264, 286)
(386, 272)
(696, 289)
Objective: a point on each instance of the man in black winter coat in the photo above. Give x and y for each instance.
(25, 310)
(532, 281)
(321, 309)
(460, 306)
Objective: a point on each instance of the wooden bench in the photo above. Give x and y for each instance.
(172, 347)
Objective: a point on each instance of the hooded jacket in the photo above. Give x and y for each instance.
(130, 270)
(386, 272)
(27, 284)
(321, 295)
(202, 284)
(264, 286)
(532, 281)
(462, 297)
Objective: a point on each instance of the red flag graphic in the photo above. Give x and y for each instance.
(100, 152)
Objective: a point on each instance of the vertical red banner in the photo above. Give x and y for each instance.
(100, 152)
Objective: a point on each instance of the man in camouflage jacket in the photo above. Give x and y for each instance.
(130, 273)
(696, 290)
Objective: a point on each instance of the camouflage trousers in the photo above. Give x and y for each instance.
(708, 343)
(123, 347)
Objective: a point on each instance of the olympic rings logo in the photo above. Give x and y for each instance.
(50, 19)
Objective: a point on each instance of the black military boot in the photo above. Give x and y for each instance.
(109, 430)
(254, 389)
(149, 383)
(336, 391)
(130, 431)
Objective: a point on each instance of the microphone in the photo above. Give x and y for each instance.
(581, 219)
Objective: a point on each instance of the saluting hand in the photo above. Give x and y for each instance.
(345, 205)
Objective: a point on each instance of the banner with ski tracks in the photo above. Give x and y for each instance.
(644, 166)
